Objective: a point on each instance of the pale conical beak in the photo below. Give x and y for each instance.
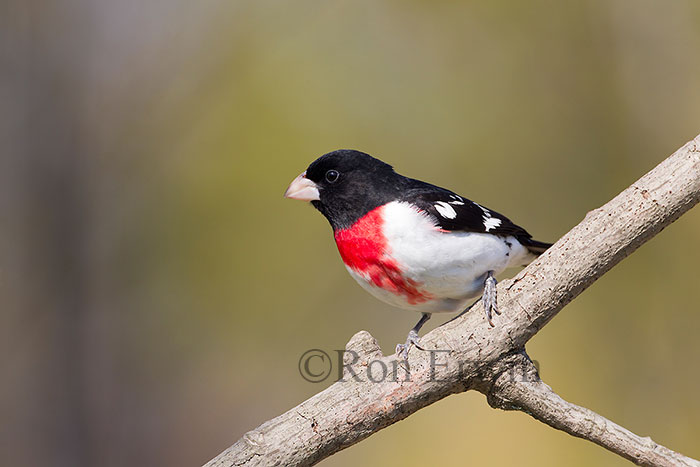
(302, 189)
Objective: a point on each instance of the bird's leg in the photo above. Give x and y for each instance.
(412, 339)
(489, 297)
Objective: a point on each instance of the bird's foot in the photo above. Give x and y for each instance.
(489, 297)
(412, 339)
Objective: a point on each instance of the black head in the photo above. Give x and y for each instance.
(345, 185)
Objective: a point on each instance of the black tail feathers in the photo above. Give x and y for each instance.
(535, 247)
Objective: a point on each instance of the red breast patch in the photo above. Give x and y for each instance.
(364, 249)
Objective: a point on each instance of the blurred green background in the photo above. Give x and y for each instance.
(157, 291)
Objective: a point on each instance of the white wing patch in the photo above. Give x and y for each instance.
(487, 213)
(491, 222)
(445, 210)
(457, 200)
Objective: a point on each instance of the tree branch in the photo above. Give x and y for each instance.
(513, 384)
(466, 353)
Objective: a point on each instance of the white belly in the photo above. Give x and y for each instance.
(449, 267)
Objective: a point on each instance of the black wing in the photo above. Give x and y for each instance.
(456, 213)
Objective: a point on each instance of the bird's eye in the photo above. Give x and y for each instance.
(332, 176)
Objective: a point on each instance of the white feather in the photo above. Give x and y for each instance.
(491, 223)
(457, 200)
(445, 210)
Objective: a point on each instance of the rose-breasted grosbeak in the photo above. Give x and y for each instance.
(409, 243)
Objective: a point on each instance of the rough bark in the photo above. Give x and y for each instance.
(467, 353)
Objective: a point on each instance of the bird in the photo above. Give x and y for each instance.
(409, 243)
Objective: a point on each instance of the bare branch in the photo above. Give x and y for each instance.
(467, 348)
(513, 384)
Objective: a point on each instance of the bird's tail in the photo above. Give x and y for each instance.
(535, 247)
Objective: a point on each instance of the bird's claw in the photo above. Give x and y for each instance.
(402, 349)
(489, 297)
